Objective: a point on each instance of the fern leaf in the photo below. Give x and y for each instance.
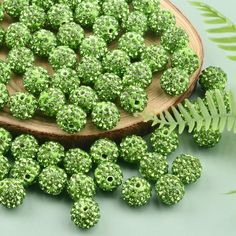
(227, 47)
(225, 40)
(225, 29)
(215, 21)
(233, 58)
(179, 119)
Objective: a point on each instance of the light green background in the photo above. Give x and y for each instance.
(205, 210)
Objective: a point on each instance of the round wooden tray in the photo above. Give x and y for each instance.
(158, 100)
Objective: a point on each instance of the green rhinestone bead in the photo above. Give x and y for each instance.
(4, 96)
(108, 176)
(71, 119)
(77, 161)
(116, 62)
(20, 59)
(132, 43)
(26, 170)
(174, 38)
(93, 46)
(170, 189)
(71, 3)
(161, 21)
(45, 4)
(84, 97)
(51, 101)
(136, 191)
(108, 87)
(59, 14)
(36, 79)
(137, 74)
(5, 72)
(146, 6)
(62, 56)
(136, 22)
(5, 140)
(12, 193)
(163, 141)
(17, 35)
(71, 35)
(86, 13)
(85, 213)
(52, 180)
(1, 12)
(14, 7)
(133, 99)
(33, 17)
(2, 36)
(175, 81)
(106, 27)
(206, 138)
(187, 168)
(24, 146)
(213, 78)
(81, 185)
(42, 43)
(153, 166)
(65, 79)
(116, 8)
(185, 59)
(4, 166)
(133, 148)
(50, 153)
(105, 115)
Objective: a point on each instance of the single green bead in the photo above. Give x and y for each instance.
(81, 185)
(133, 99)
(146, 6)
(169, 189)
(51, 101)
(106, 27)
(45, 4)
(4, 166)
(1, 12)
(136, 22)
(108, 176)
(24, 146)
(20, 59)
(36, 79)
(160, 21)
(50, 153)
(137, 74)
(14, 7)
(62, 56)
(77, 161)
(105, 115)
(175, 81)
(86, 13)
(12, 193)
(52, 180)
(187, 168)
(104, 150)
(4, 96)
(108, 87)
(136, 191)
(156, 57)
(2, 36)
(133, 148)
(17, 35)
(59, 14)
(5, 72)
(153, 166)
(206, 138)
(85, 213)
(116, 8)
(65, 79)
(71, 3)
(185, 59)
(42, 42)
(84, 97)
(213, 78)
(116, 62)
(93, 46)
(71, 35)
(163, 141)
(5, 140)
(71, 119)
(25, 169)
(174, 38)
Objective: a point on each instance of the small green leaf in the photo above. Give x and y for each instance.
(224, 40)
(227, 47)
(215, 21)
(233, 58)
(231, 192)
(225, 29)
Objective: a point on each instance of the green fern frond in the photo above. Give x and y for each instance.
(219, 24)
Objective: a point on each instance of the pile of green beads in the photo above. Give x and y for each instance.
(147, 6)
(5, 140)
(5, 72)
(4, 96)
(4, 166)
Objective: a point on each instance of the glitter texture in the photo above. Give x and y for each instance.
(45, 4)
(5, 140)
(4, 166)
(14, 7)
(4, 96)
(146, 6)
(5, 72)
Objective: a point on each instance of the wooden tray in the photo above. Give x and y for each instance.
(158, 100)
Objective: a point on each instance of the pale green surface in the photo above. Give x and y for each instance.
(205, 210)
